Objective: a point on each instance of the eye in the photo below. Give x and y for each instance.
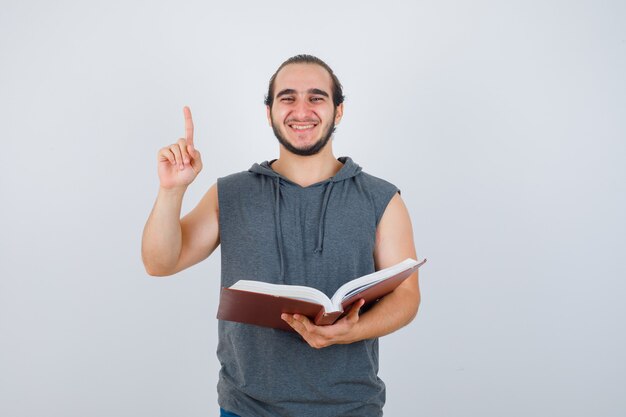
(317, 99)
(287, 99)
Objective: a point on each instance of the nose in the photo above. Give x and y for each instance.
(302, 109)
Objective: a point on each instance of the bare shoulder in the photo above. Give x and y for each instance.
(396, 215)
(394, 234)
(205, 215)
(209, 200)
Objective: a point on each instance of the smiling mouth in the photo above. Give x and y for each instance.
(302, 127)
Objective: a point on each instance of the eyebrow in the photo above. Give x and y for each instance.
(310, 91)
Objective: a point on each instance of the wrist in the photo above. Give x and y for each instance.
(177, 191)
(354, 334)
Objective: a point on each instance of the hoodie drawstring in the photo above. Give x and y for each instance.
(348, 171)
(320, 233)
(279, 230)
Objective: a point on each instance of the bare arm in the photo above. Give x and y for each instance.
(394, 243)
(171, 244)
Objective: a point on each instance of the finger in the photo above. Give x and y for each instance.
(317, 337)
(166, 154)
(196, 161)
(179, 158)
(304, 320)
(182, 144)
(295, 324)
(188, 126)
(353, 314)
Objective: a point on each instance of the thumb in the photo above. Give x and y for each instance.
(196, 160)
(353, 314)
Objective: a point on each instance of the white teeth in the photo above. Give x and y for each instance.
(302, 127)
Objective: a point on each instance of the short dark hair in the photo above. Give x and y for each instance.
(337, 92)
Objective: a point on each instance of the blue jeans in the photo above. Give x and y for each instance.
(224, 413)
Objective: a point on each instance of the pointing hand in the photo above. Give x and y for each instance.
(180, 163)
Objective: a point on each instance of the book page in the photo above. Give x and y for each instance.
(297, 292)
(361, 284)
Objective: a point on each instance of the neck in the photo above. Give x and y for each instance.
(307, 170)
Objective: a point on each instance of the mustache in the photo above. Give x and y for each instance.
(301, 121)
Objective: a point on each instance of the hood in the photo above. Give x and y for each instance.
(350, 169)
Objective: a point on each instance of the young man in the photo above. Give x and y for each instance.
(306, 218)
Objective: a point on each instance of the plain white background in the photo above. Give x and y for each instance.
(503, 123)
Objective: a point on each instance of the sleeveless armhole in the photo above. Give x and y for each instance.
(382, 198)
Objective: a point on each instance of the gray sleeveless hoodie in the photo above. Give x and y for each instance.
(322, 236)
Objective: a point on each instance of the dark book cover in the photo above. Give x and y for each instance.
(265, 310)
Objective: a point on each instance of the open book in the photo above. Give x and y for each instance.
(262, 303)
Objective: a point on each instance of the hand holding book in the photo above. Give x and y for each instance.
(262, 303)
(340, 332)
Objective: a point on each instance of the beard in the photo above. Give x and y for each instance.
(308, 150)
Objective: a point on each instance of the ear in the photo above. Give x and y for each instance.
(339, 113)
(269, 114)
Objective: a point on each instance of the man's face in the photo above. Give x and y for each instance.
(303, 115)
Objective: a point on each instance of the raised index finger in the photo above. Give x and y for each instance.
(188, 126)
